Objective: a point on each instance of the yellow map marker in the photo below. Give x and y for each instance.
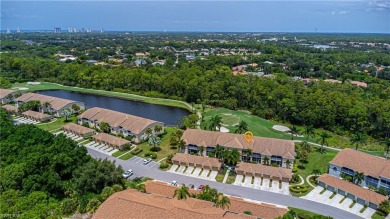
(248, 136)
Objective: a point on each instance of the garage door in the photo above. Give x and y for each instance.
(321, 184)
(351, 196)
(341, 192)
(372, 205)
(360, 201)
(330, 188)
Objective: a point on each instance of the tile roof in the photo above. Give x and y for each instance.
(10, 108)
(129, 122)
(359, 84)
(204, 161)
(264, 146)
(5, 92)
(111, 139)
(238, 205)
(55, 102)
(133, 204)
(362, 162)
(278, 172)
(36, 115)
(81, 130)
(353, 189)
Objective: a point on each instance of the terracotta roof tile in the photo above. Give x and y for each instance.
(5, 92)
(55, 102)
(80, 130)
(111, 139)
(36, 115)
(10, 108)
(351, 188)
(129, 122)
(362, 162)
(268, 146)
(278, 172)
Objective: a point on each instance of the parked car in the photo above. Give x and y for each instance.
(174, 183)
(201, 187)
(191, 186)
(128, 173)
(146, 161)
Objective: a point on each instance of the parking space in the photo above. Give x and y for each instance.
(22, 120)
(98, 147)
(257, 183)
(238, 181)
(315, 195)
(247, 181)
(139, 161)
(285, 188)
(213, 174)
(189, 170)
(204, 173)
(196, 172)
(181, 169)
(172, 169)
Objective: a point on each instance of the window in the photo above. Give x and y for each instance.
(256, 157)
(347, 171)
(371, 181)
(277, 159)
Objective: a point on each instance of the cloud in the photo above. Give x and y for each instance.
(339, 12)
(378, 5)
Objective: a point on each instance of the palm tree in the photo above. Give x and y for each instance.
(323, 139)
(305, 146)
(358, 178)
(288, 163)
(182, 193)
(247, 153)
(231, 157)
(309, 132)
(148, 131)
(157, 128)
(66, 113)
(200, 150)
(242, 127)
(219, 151)
(294, 131)
(266, 160)
(386, 142)
(46, 105)
(154, 141)
(223, 201)
(181, 144)
(358, 139)
(215, 122)
(75, 108)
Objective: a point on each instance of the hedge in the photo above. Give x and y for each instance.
(136, 151)
(164, 165)
(299, 189)
(151, 155)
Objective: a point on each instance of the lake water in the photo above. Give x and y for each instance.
(166, 114)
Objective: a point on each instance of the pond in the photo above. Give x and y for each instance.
(166, 114)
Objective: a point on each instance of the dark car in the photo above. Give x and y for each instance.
(191, 186)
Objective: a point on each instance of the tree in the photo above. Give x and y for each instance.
(46, 105)
(200, 150)
(358, 139)
(154, 141)
(316, 172)
(231, 157)
(215, 123)
(219, 151)
(158, 128)
(384, 206)
(223, 201)
(242, 127)
(247, 153)
(75, 108)
(181, 144)
(309, 132)
(294, 131)
(182, 192)
(4, 83)
(358, 178)
(93, 205)
(105, 127)
(305, 146)
(386, 142)
(107, 192)
(148, 132)
(191, 121)
(304, 155)
(266, 160)
(66, 113)
(288, 163)
(324, 136)
(173, 142)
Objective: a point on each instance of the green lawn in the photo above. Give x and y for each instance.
(56, 124)
(126, 156)
(377, 216)
(165, 145)
(231, 179)
(219, 177)
(52, 86)
(263, 128)
(119, 153)
(305, 214)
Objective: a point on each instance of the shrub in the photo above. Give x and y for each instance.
(68, 206)
(85, 124)
(169, 159)
(151, 155)
(275, 165)
(294, 169)
(164, 165)
(248, 212)
(295, 178)
(299, 189)
(136, 151)
(126, 147)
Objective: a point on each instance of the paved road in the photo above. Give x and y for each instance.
(259, 195)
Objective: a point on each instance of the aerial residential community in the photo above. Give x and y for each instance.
(195, 109)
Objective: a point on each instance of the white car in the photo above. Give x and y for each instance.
(146, 161)
(128, 173)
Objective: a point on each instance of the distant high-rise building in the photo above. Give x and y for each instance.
(101, 30)
(8, 30)
(57, 30)
(18, 30)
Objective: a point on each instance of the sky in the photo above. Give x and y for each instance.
(347, 16)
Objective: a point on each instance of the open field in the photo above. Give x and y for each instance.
(52, 86)
(165, 145)
(263, 128)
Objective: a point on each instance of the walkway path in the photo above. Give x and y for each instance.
(308, 181)
(226, 176)
(249, 193)
(318, 145)
(134, 147)
(301, 183)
